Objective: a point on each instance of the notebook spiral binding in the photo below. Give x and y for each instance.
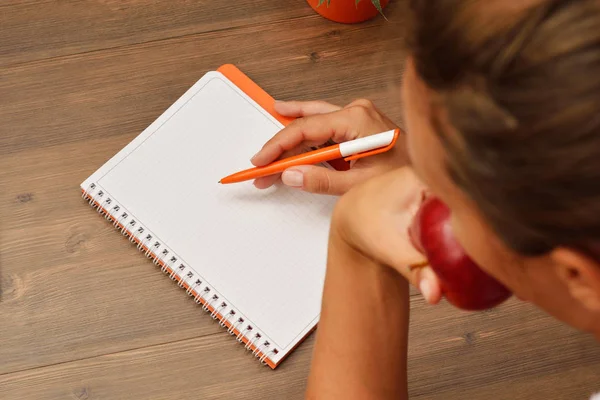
(198, 289)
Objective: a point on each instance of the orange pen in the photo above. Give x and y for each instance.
(351, 150)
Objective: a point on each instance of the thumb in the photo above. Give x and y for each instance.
(319, 180)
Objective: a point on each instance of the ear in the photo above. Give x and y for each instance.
(581, 276)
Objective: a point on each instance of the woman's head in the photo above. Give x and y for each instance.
(502, 103)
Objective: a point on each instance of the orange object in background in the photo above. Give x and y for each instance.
(347, 11)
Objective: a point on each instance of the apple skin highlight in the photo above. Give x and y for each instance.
(463, 283)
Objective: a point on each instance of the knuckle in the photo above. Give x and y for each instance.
(324, 183)
(359, 112)
(293, 130)
(298, 126)
(366, 103)
(318, 182)
(294, 124)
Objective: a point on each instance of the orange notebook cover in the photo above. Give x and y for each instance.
(253, 260)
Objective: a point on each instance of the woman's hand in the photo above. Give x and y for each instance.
(317, 123)
(373, 219)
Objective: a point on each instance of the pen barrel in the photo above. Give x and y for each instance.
(310, 158)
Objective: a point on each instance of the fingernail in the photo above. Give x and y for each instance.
(292, 178)
(425, 288)
(254, 156)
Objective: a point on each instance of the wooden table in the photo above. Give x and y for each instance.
(85, 316)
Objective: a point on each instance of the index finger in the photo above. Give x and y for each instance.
(313, 130)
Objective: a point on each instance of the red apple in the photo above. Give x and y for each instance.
(463, 283)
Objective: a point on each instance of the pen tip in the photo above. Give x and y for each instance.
(219, 182)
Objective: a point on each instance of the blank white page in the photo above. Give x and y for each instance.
(262, 251)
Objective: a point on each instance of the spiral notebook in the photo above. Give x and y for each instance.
(254, 260)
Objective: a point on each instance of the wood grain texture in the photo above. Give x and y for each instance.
(202, 368)
(83, 315)
(462, 360)
(121, 91)
(34, 30)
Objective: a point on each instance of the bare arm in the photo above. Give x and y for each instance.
(361, 345)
